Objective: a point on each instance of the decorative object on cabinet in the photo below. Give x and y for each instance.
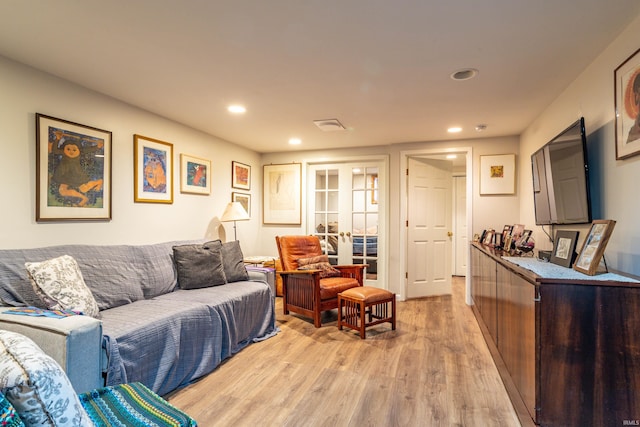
(195, 175)
(593, 247)
(240, 176)
(564, 248)
(73, 171)
(627, 103)
(244, 199)
(488, 237)
(152, 170)
(497, 174)
(234, 212)
(281, 195)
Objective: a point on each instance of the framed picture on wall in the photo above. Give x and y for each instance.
(73, 171)
(240, 176)
(152, 170)
(498, 174)
(195, 175)
(627, 103)
(282, 194)
(243, 199)
(593, 246)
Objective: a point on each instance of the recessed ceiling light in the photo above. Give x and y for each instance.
(295, 141)
(454, 129)
(464, 74)
(236, 109)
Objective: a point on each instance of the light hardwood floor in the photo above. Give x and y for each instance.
(434, 370)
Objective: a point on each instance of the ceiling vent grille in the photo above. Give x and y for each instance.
(329, 125)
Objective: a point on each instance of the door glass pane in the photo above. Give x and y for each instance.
(326, 211)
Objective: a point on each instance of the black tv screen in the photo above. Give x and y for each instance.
(561, 178)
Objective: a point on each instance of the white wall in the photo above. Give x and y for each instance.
(614, 184)
(488, 211)
(25, 92)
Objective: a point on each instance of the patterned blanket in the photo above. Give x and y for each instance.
(132, 405)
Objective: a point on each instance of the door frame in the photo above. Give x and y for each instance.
(402, 232)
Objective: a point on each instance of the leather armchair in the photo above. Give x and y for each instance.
(304, 291)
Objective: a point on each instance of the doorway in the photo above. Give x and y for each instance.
(463, 166)
(347, 213)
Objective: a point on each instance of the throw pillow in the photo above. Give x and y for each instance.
(59, 283)
(36, 385)
(233, 262)
(199, 265)
(318, 262)
(8, 415)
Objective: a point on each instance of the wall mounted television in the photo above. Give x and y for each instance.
(561, 178)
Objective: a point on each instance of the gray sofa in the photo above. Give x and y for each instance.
(148, 329)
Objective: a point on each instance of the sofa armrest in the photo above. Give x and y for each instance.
(75, 342)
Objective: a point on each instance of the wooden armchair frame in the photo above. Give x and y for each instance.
(301, 289)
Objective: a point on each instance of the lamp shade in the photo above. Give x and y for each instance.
(234, 212)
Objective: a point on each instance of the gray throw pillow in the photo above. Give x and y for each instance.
(199, 265)
(233, 262)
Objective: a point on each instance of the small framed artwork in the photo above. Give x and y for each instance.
(507, 243)
(564, 248)
(498, 174)
(195, 175)
(152, 170)
(240, 176)
(523, 238)
(506, 231)
(627, 103)
(281, 194)
(243, 199)
(593, 246)
(517, 231)
(73, 171)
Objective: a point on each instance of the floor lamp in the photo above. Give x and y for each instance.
(234, 212)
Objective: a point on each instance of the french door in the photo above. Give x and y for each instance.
(346, 212)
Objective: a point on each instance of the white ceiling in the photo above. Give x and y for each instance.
(381, 67)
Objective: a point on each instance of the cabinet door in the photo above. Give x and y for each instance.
(516, 332)
(488, 292)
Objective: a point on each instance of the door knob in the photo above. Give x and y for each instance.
(341, 234)
(449, 234)
(348, 234)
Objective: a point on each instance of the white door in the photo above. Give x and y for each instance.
(346, 213)
(429, 227)
(460, 239)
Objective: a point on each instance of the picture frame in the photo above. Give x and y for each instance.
(488, 237)
(282, 194)
(523, 238)
(517, 231)
(593, 246)
(244, 199)
(195, 175)
(73, 171)
(497, 174)
(240, 176)
(506, 231)
(507, 243)
(564, 247)
(152, 170)
(627, 107)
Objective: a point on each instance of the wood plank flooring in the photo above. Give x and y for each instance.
(433, 370)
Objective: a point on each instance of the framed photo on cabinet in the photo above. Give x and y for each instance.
(152, 170)
(593, 246)
(564, 248)
(73, 171)
(282, 194)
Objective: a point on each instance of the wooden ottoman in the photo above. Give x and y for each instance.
(366, 306)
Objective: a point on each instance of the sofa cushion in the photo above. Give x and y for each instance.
(233, 262)
(36, 385)
(60, 284)
(199, 265)
(8, 415)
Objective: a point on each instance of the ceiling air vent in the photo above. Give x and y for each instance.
(329, 125)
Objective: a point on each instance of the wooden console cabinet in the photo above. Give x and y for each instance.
(568, 351)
